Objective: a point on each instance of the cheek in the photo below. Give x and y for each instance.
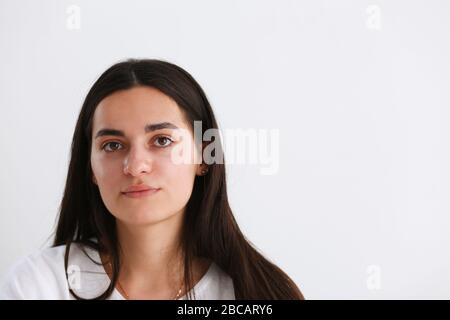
(107, 174)
(179, 180)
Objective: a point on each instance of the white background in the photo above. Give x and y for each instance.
(362, 108)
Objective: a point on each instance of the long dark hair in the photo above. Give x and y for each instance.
(209, 227)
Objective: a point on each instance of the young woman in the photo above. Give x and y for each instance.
(134, 223)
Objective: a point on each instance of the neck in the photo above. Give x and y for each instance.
(151, 258)
(150, 249)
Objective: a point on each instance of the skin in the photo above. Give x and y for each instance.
(148, 228)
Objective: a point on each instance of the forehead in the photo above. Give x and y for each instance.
(131, 109)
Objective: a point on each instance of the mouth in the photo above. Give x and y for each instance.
(140, 194)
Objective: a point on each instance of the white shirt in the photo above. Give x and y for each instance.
(41, 275)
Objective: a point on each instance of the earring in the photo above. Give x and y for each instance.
(204, 171)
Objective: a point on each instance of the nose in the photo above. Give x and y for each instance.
(137, 162)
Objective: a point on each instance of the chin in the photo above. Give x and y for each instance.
(144, 218)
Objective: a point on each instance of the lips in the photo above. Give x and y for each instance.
(141, 194)
(139, 188)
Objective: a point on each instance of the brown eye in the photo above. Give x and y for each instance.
(113, 144)
(163, 142)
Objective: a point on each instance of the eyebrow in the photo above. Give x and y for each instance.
(148, 128)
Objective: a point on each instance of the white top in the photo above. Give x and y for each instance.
(41, 275)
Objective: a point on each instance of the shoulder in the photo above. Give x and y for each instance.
(215, 285)
(41, 274)
(26, 276)
(225, 286)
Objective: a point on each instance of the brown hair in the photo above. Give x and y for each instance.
(209, 227)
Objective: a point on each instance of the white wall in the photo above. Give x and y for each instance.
(358, 89)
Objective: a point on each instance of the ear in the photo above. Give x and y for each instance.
(93, 179)
(202, 169)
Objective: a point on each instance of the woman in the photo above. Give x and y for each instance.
(134, 223)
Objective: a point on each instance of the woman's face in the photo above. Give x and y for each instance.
(140, 157)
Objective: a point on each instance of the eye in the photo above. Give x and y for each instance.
(163, 141)
(112, 143)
